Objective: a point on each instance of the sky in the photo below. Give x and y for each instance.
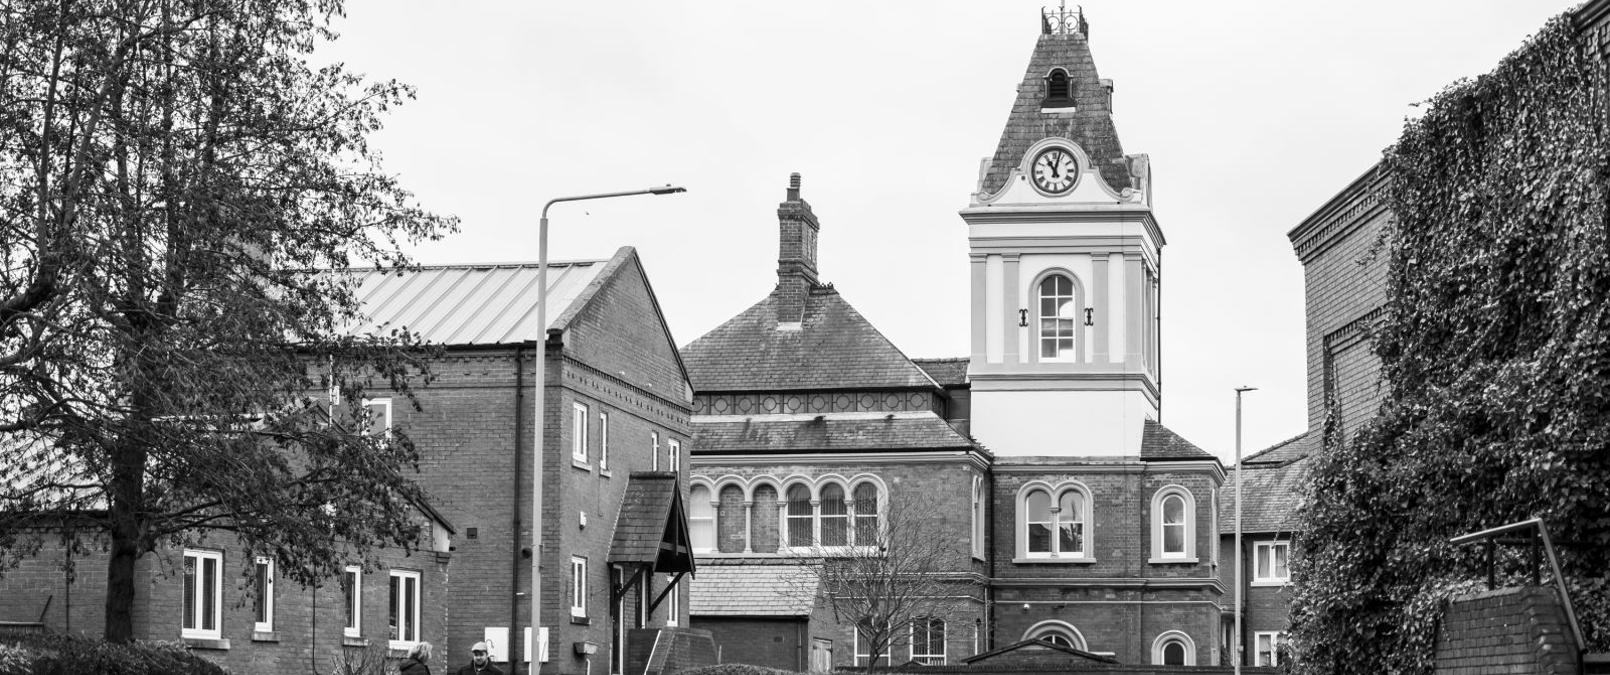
(1254, 113)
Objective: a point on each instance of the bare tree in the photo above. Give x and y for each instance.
(169, 171)
(897, 571)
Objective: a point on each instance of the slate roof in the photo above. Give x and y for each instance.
(1158, 443)
(1090, 126)
(1287, 451)
(753, 589)
(949, 372)
(832, 432)
(834, 347)
(651, 528)
(1271, 498)
(478, 304)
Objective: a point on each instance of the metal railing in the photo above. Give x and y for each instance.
(1537, 539)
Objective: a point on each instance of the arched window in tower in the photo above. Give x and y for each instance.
(799, 516)
(1054, 522)
(1173, 525)
(835, 517)
(1059, 307)
(1058, 90)
(1038, 509)
(1071, 524)
(866, 514)
(701, 519)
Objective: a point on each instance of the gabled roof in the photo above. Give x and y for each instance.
(1271, 494)
(1036, 648)
(755, 588)
(833, 347)
(472, 304)
(949, 372)
(1089, 124)
(651, 528)
(832, 432)
(1158, 443)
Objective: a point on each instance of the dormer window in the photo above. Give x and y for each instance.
(1058, 91)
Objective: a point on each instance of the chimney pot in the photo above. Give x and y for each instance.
(793, 187)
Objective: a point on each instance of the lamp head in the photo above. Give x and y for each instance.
(1241, 389)
(666, 190)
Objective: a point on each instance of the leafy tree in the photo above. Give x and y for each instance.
(169, 170)
(1495, 357)
(902, 569)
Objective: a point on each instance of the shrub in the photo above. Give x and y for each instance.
(48, 654)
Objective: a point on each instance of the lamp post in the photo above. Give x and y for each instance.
(539, 419)
(1236, 651)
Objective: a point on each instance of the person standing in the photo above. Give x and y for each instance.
(480, 662)
(418, 658)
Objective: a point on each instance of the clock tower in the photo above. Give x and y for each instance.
(1065, 258)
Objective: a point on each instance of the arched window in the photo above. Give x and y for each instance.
(978, 517)
(800, 516)
(1058, 90)
(835, 516)
(1055, 528)
(1174, 648)
(1173, 525)
(1057, 633)
(764, 537)
(866, 514)
(1059, 307)
(701, 519)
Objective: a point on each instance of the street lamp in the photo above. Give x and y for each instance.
(540, 420)
(1235, 655)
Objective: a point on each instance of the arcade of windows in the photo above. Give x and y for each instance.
(805, 516)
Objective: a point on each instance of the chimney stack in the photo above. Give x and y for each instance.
(796, 254)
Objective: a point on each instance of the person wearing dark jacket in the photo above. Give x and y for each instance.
(418, 657)
(480, 662)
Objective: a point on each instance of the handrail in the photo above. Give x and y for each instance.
(1535, 525)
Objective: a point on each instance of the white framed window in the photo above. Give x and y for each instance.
(978, 517)
(1174, 648)
(578, 587)
(352, 592)
(928, 641)
(263, 595)
(1266, 652)
(203, 594)
(864, 506)
(1173, 525)
(403, 619)
(377, 417)
(603, 440)
(1058, 313)
(801, 518)
(654, 453)
(1054, 522)
(701, 519)
(1271, 562)
(673, 603)
(863, 648)
(834, 517)
(578, 435)
(674, 454)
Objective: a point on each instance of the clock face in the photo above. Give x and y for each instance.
(1054, 170)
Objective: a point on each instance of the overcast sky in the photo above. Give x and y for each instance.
(1254, 113)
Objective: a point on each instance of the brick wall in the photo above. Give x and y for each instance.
(1510, 630)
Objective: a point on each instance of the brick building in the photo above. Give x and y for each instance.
(1075, 517)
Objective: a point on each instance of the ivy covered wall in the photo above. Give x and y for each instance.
(1495, 352)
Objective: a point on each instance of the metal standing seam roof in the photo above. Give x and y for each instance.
(470, 304)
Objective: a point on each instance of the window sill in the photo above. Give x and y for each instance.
(581, 464)
(264, 636)
(1053, 561)
(398, 649)
(1173, 561)
(580, 620)
(1269, 583)
(606, 473)
(350, 641)
(220, 644)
